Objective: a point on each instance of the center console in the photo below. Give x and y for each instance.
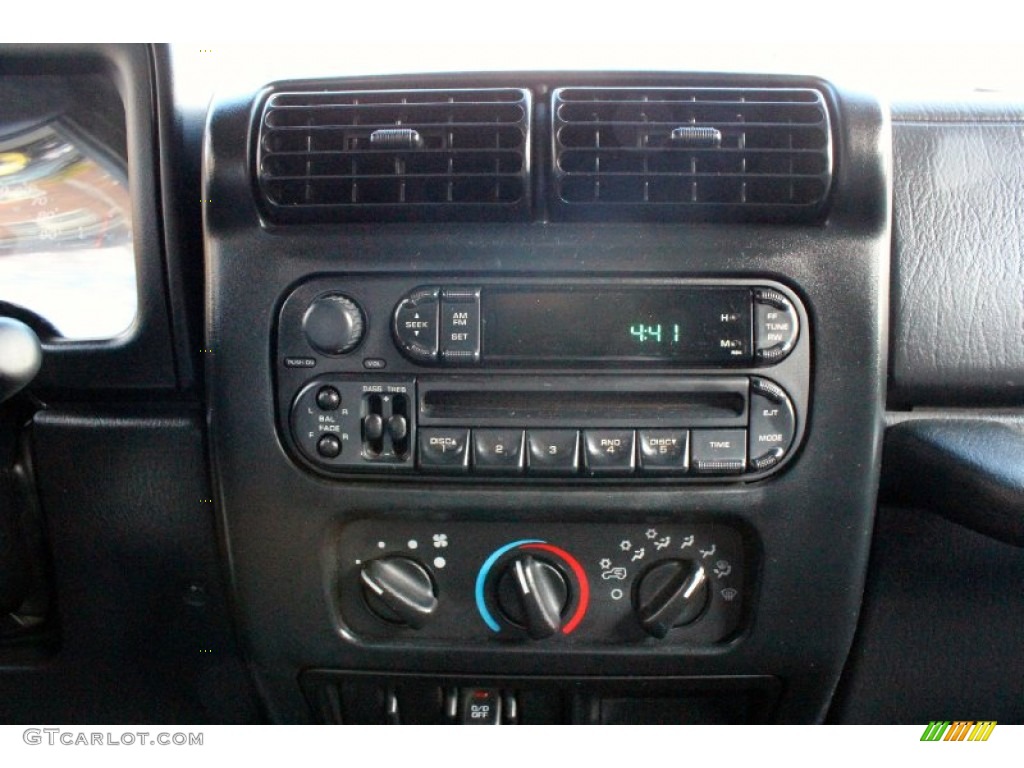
(547, 399)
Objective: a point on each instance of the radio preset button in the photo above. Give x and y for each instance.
(553, 451)
(415, 324)
(444, 450)
(498, 450)
(460, 325)
(609, 451)
(719, 451)
(664, 451)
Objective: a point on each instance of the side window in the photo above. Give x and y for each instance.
(66, 253)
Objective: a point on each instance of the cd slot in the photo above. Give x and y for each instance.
(719, 402)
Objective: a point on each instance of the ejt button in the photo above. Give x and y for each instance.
(444, 450)
(772, 424)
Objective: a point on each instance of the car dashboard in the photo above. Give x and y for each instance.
(535, 397)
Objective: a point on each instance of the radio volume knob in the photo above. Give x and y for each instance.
(333, 324)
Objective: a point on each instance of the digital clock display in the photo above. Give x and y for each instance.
(629, 325)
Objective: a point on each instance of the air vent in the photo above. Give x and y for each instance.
(395, 155)
(691, 153)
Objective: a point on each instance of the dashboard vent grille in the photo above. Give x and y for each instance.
(693, 153)
(395, 155)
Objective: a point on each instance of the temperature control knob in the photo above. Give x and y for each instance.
(672, 593)
(333, 324)
(399, 590)
(533, 594)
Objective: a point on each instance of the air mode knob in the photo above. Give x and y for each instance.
(333, 324)
(672, 593)
(399, 590)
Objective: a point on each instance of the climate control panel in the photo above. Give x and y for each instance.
(544, 583)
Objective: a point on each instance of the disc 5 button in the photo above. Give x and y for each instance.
(664, 451)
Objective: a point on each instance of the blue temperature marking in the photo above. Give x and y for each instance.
(481, 577)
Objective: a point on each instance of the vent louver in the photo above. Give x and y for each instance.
(395, 155)
(691, 153)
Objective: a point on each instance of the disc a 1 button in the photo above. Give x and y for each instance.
(444, 450)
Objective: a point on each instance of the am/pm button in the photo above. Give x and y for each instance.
(718, 451)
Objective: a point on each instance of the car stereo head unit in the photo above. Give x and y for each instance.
(685, 380)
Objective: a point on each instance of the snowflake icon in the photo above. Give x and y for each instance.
(626, 545)
(440, 540)
(605, 564)
(651, 533)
